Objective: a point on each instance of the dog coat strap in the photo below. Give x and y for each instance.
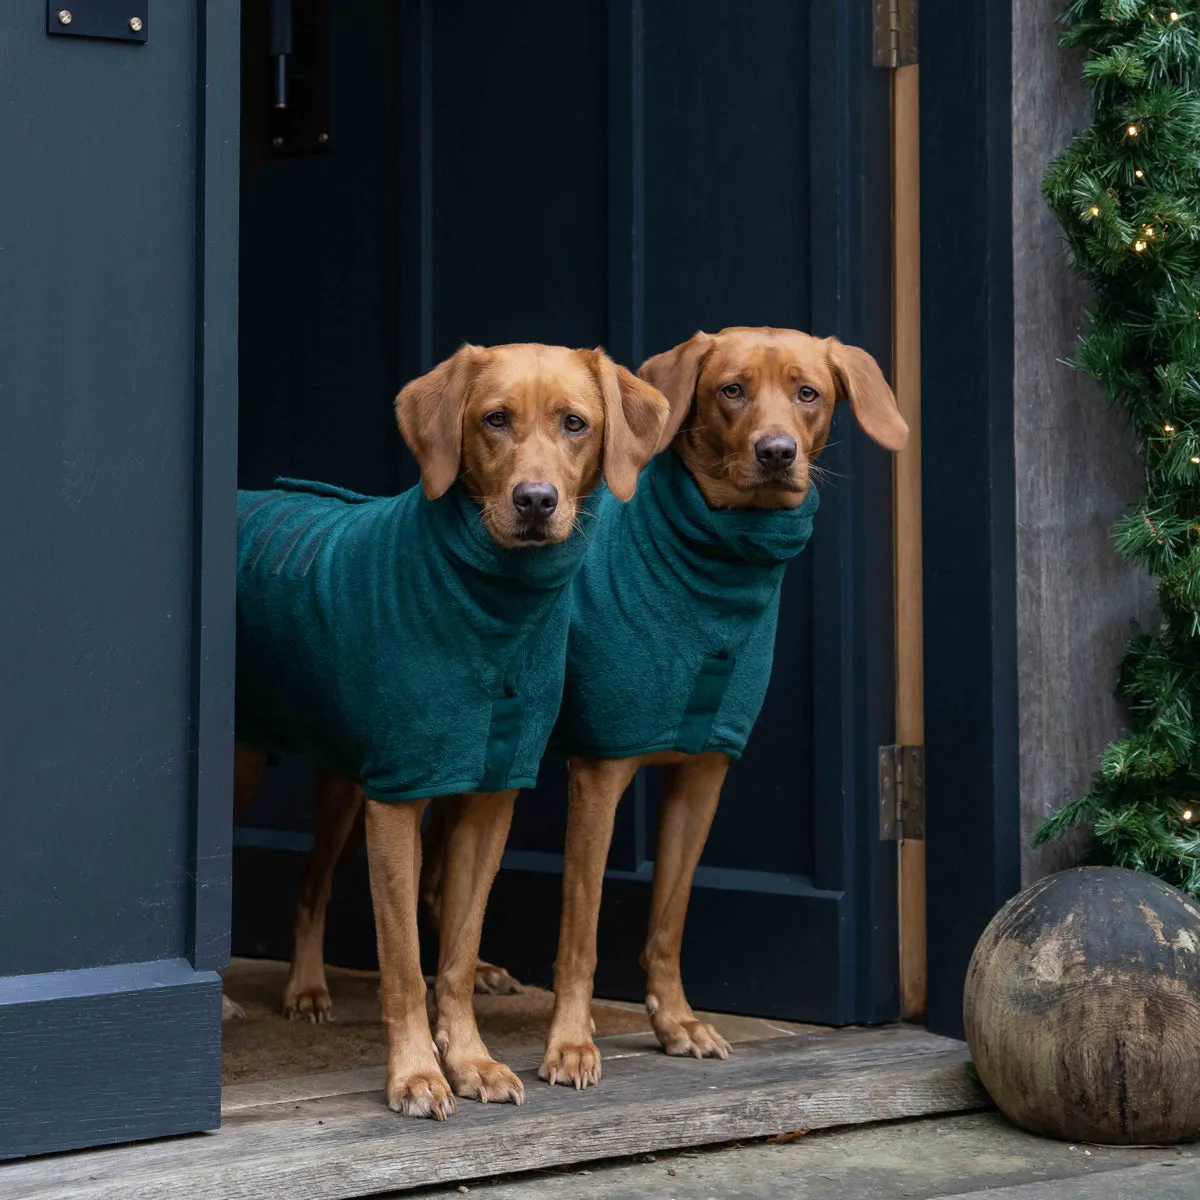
(705, 702)
(700, 713)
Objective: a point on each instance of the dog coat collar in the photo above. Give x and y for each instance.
(673, 620)
(393, 641)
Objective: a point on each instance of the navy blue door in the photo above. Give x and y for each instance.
(616, 172)
(118, 384)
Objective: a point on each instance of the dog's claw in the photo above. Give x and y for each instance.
(574, 1064)
(314, 1002)
(424, 1094)
(685, 1037)
(231, 1011)
(485, 1080)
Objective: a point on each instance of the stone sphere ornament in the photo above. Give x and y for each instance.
(1082, 1009)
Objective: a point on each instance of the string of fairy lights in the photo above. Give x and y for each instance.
(1149, 231)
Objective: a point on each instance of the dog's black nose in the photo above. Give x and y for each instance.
(536, 501)
(775, 451)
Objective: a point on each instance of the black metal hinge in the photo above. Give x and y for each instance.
(895, 33)
(901, 793)
(300, 115)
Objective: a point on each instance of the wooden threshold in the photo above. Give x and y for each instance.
(327, 1137)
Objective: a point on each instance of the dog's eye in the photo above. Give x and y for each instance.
(808, 395)
(732, 391)
(497, 420)
(573, 423)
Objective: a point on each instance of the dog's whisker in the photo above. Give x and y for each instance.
(822, 474)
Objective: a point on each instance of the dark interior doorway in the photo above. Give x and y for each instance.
(596, 173)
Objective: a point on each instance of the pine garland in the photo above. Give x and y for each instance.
(1127, 192)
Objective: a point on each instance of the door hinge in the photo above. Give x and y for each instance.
(895, 33)
(902, 793)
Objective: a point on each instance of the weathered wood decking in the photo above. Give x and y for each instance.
(329, 1136)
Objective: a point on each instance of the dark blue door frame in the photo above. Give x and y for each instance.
(968, 496)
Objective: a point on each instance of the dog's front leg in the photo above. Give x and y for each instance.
(490, 980)
(415, 1083)
(689, 803)
(474, 842)
(338, 803)
(595, 789)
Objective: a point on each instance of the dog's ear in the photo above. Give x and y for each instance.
(429, 411)
(634, 416)
(860, 381)
(674, 373)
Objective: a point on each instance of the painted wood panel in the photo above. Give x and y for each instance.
(118, 301)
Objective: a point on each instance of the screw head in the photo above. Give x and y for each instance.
(64, 16)
(135, 23)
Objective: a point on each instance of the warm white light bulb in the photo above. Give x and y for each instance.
(1196, 459)
(1174, 16)
(1132, 131)
(1094, 211)
(1140, 173)
(1139, 245)
(1168, 429)
(1187, 814)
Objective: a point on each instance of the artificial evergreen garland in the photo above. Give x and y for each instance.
(1127, 192)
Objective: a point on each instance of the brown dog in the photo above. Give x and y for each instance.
(752, 408)
(529, 430)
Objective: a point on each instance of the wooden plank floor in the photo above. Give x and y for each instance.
(331, 1136)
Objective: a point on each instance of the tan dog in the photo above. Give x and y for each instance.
(530, 430)
(752, 408)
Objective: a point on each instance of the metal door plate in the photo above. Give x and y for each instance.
(117, 20)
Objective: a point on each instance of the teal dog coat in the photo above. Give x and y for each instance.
(673, 620)
(393, 641)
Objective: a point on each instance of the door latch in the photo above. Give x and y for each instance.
(901, 793)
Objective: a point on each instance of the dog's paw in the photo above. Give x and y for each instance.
(686, 1037)
(494, 981)
(421, 1094)
(573, 1064)
(485, 1080)
(308, 1003)
(231, 1011)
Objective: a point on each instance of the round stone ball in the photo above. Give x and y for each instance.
(1082, 1009)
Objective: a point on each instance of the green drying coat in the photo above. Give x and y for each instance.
(393, 641)
(673, 620)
